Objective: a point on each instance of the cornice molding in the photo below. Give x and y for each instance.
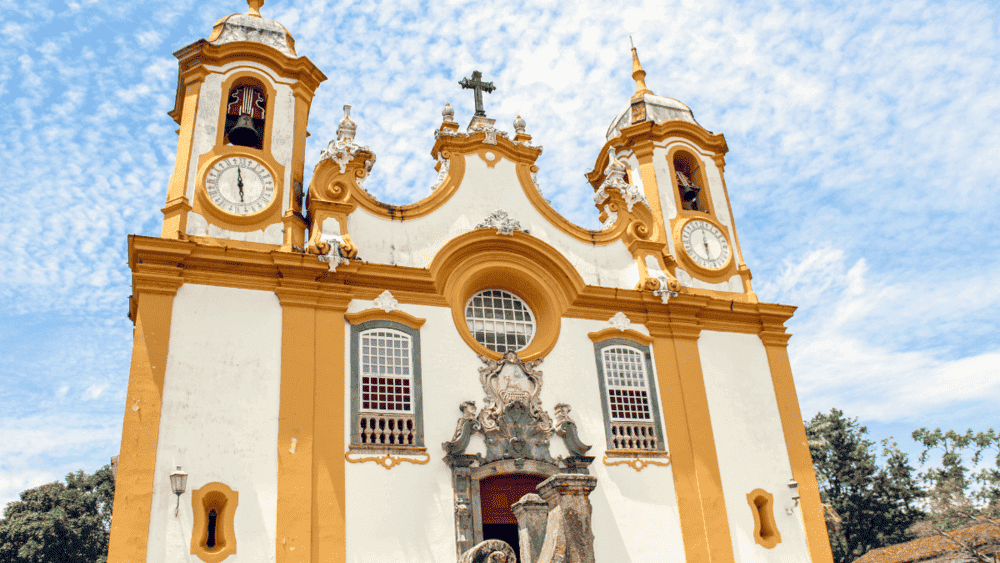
(611, 332)
(201, 52)
(163, 265)
(397, 316)
(640, 137)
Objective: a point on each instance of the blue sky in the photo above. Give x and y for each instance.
(863, 166)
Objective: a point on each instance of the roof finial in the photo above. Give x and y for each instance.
(638, 74)
(255, 7)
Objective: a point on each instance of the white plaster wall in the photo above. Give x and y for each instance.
(406, 514)
(219, 417)
(415, 242)
(750, 442)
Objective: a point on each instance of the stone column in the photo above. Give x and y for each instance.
(531, 513)
(461, 480)
(569, 537)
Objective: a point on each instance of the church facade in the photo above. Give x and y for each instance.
(320, 376)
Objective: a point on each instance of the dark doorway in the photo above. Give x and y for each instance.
(496, 494)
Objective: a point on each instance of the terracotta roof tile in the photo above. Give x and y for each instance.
(932, 546)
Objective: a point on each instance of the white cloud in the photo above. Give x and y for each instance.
(94, 391)
(843, 358)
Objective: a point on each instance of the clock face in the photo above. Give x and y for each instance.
(705, 244)
(239, 185)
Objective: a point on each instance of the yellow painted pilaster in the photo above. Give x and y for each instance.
(295, 513)
(175, 212)
(330, 509)
(295, 226)
(644, 154)
(154, 290)
(818, 541)
(697, 479)
(311, 517)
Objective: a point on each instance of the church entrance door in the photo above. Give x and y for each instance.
(496, 494)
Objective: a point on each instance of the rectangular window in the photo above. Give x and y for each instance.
(629, 398)
(385, 385)
(385, 371)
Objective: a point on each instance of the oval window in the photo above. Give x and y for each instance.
(500, 320)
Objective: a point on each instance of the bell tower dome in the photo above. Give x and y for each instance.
(243, 99)
(678, 167)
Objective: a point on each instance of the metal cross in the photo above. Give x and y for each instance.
(478, 86)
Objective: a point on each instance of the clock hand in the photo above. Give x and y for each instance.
(704, 241)
(239, 183)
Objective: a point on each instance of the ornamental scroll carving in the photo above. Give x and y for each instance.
(512, 421)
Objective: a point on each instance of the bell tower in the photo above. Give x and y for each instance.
(659, 153)
(243, 99)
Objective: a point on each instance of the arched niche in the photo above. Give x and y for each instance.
(690, 183)
(246, 113)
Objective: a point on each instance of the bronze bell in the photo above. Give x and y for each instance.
(244, 133)
(689, 192)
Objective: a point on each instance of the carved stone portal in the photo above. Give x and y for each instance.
(517, 432)
(513, 422)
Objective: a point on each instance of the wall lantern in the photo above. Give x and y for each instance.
(178, 482)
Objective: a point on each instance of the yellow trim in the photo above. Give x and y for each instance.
(175, 218)
(638, 463)
(648, 132)
(295, 231)
(329, 529)
(391, 458)
(153, 297)
(697, 479)
(765, 531)
(262, 267)
(296, 494)
(219, 497)
(342, 194)
(647, 171)
(518, 263)
(614, 202)
(775, 344)
(720, 163)
(400, 317)
(612, 332)
(195, 57)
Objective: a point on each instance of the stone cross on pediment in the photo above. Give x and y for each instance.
(478, 87)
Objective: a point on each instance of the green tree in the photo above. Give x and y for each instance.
(867, 506)
(958, 496)
(60, 522)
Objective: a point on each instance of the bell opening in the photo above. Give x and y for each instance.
(245, 116)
